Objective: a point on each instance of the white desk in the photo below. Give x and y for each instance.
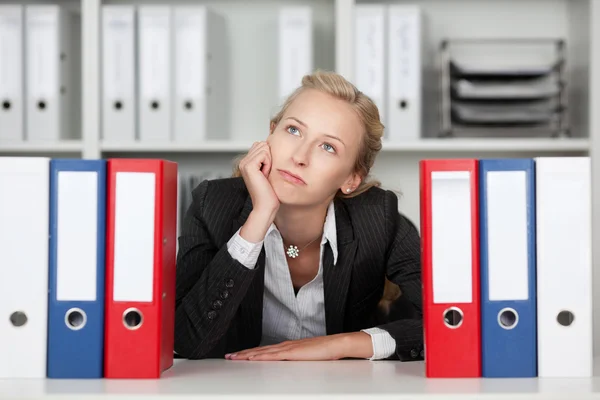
(346, 379)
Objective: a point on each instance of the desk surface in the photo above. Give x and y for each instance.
(345, 379)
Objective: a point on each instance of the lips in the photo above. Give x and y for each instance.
(292, 177)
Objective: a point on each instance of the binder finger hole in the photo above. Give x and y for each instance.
(188, 105)
(41, 105)
(154, 105)
(75, 319)
(18, 318)
(6, 105)
(132, 318)
(508, 318)
(453, 317)
(118, 105)
(565, 318)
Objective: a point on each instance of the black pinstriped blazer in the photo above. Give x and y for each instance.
(219, 301)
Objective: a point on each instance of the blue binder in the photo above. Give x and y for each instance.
(76, 268)
(508, 268)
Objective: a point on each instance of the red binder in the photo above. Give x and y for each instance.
(140, 267)
(450, 267)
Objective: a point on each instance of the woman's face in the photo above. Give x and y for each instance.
(317, 140)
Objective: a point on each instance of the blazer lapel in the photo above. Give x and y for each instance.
(336, 278)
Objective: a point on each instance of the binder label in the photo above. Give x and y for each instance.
(134, 236)
(190, 53)
(77, 227)
(10, 51)
(43, 54)
(507, 235)
(451, 236)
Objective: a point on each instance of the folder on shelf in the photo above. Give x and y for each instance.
(450, 258)
(201, 74)
(370, 53)
(154, 67)
(51, 78)
(508, 276)
(405, 54)
(76, 273)
(564, 266)
(295, 34)
(12, 115)
(140, 267)
(24, 221)
(118, 73)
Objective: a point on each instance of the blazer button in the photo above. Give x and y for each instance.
(212, 315)
(224, 294)
(229, 283)
(414, 353)
(217, 304)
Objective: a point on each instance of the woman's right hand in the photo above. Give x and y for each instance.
(255, 168)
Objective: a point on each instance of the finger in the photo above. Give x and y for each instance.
(273, 356)
(246, 354)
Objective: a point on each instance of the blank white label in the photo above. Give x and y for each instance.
(119, 50)
(43, 53)
(77, 235)
(507, 235)
(451, 237)
(11, 29)
(134, 236)
(155, 58)
(190, 53)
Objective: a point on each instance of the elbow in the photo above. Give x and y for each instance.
(190, 342)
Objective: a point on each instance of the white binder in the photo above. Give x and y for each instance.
(50, 77)
(564, 266)
(370, 53)
(24, 227)
(154, 68)
(11, 75)
(295, 47)
(200, 75)
(404, 47)
(118, 74)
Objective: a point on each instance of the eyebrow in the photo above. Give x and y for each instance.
(325, 134)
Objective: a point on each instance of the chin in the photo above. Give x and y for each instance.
(290, 194)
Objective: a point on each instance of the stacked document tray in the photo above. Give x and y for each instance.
(503, 95)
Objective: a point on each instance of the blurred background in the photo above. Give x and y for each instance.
(196, 81)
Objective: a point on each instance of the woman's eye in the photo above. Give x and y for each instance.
(328, 147)
(293, 130)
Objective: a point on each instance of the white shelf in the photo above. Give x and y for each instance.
(343, 379)
(454, 145)
(449, 145)
(67, 146)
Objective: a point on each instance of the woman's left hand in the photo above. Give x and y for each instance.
(321, 348)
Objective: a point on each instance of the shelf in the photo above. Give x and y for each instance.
(67, 146)
(418, 146)
(454, 145)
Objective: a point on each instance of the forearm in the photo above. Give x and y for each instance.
(356, 345)
(204, 314)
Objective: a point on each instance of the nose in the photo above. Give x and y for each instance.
(301, 154)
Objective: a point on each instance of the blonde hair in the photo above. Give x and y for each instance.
(337, 86)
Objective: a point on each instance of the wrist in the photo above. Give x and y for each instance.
(256, 226)
(358, 345)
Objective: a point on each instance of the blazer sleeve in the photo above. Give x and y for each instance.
(403, 267)
(210, 283)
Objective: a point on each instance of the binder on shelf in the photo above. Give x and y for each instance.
(24, 219)
(12, 114)
(154, 67)
(450, 259)
(564, 262)
(201, 74)
(140, 267)
(51, 74)
(119, 102)
(405, 54)
(508, 275)
(370, 53)
(295, 45)
(76, 273)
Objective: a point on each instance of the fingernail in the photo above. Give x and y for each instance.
(227, 355)
(250, 358)
(233, 355)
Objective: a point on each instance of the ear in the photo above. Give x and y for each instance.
(272, 126)
(351, 183)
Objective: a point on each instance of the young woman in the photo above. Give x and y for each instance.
(287, 259)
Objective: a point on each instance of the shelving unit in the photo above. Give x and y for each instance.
(251, 26)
